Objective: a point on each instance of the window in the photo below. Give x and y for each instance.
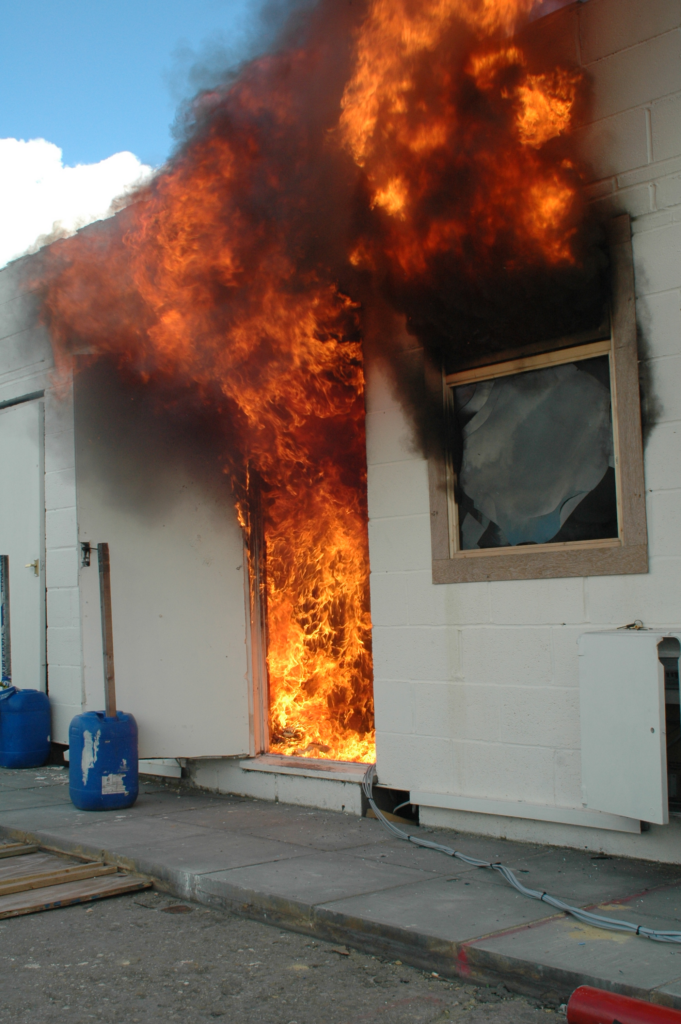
(544, 470)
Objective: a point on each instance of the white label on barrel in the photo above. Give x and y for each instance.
(113, 784)
(90, 749)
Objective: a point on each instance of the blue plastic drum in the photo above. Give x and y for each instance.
(103, 770)
(24, 728)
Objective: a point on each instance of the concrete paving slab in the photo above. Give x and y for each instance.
(65, 815)
(409, 856)
(614, 960)
(241, 813)
(508, 851)
(312, 879)
(25, 799)
(451, 911)
(328, 834)
(579, 877)
(206, 853)
(670, 991)
(31, 819)
(154, 800)
(109, 833)
(33, 778)
(659, 908)
(19, 809)
(276, 822)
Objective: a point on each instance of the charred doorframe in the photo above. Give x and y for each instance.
(626, 554)
(256, 581)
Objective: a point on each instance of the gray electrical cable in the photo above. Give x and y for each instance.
(582, 915)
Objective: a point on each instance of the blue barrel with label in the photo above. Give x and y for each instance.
(24, 728)
(103, 769)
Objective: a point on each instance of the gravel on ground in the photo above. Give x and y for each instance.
(150, 958)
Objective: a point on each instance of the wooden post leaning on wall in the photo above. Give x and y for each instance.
(107, 630)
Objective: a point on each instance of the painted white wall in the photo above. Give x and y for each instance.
(25, 368)
(476, 684)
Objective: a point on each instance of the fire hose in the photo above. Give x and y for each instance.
(594, 1006)
(585, 916)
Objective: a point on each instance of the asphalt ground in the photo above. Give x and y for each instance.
(149, 958)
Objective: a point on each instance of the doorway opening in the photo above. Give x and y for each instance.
(311, 627)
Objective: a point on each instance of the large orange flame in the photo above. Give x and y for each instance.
(239, 272)
(415, 120)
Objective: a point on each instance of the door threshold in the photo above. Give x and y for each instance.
(311, 767)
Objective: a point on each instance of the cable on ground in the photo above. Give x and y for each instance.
(585, 916)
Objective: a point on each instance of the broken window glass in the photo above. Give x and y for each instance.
(535, 458)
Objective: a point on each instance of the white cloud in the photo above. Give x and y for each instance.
(41, 199)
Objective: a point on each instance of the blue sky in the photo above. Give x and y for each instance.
(100, 76)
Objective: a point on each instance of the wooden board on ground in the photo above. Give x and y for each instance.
(63, 873)
(68, 893)
(17, 849)
(17, 867)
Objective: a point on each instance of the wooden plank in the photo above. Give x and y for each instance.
(626, 388)
(71, 873)
(521, 365)
(30, 865)
(69, 893)
(596, 561)
(18, 849)
(34, 863)
(107, 629)
(547, 549)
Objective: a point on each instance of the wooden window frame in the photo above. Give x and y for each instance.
(625, 554)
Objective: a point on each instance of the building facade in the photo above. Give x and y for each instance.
(477, 683)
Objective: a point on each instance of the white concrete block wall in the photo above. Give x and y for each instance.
(26, 367)
(476, 684)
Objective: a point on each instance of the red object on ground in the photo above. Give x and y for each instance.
(594, 1006)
